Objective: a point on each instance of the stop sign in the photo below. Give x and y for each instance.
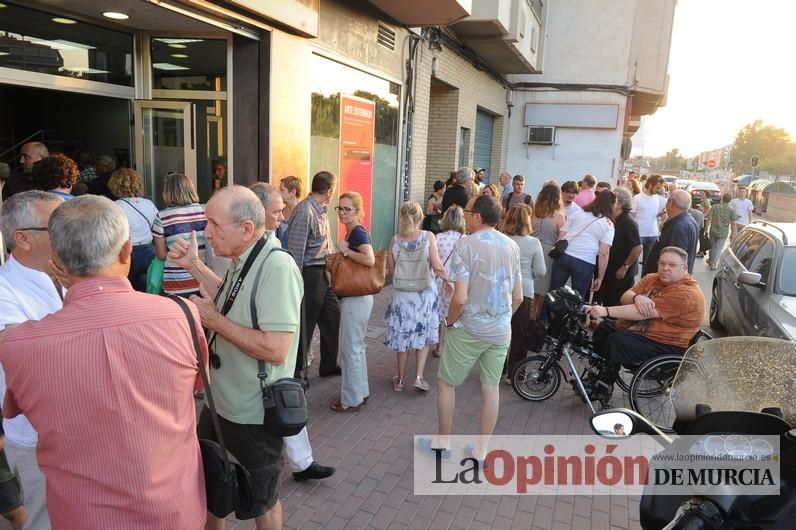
(711, 164)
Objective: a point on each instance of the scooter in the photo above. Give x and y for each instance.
(731, 397)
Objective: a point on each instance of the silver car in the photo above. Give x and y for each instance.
(754, 291)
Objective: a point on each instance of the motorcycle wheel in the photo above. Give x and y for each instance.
(530, 385)
(650, 390)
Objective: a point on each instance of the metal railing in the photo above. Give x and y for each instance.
(38, 135)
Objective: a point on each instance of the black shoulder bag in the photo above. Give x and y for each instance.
(227, 483)
(284, 401)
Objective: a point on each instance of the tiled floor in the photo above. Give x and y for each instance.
(372, 451)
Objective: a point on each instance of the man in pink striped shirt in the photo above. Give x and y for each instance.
(108, 384)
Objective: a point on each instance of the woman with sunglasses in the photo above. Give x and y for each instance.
(354, 310)
(589, 233)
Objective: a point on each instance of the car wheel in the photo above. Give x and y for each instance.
(715, 320)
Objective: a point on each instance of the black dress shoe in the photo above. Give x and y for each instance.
(336, 371)
(314, 472)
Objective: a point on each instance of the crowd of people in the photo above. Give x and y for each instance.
(469, 274)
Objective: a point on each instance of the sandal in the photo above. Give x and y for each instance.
(339, 407)
(421, 384)
(397, 384)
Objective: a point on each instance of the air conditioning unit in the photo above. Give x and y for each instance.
(541, 135)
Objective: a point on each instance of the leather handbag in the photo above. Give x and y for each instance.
(558, 249)
(350, 278)
(284, 400)
(227, 483)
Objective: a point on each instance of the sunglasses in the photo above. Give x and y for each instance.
(346, 209)
(33, 229)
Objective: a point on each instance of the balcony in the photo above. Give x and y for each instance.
(425, 12)
(507, 34)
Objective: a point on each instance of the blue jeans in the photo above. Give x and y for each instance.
(646, 246)
(139, 263)
(581, 273)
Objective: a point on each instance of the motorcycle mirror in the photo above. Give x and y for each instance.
(618, 423)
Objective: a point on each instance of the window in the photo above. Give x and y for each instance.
(189, 63)
(762, 260)
(748, 249)
(464, 146)
(787, 280)
(38, 42)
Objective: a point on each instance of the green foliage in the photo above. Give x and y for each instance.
(773, 145)
(670, 161)
(326, 117)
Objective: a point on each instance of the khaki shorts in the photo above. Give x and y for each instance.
(461, 352)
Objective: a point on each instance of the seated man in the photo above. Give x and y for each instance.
(659, 315)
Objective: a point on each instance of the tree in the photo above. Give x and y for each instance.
(773, 146)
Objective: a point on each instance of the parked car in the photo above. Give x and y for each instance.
(754, 290)
(697, 189)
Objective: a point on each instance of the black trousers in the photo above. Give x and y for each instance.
(322, 309)
(520, 322)
(623, 348)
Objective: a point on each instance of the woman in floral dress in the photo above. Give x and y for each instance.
(412, 317)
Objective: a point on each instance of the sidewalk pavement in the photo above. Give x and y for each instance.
(372, 451)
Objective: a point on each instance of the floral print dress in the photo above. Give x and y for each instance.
(412, 318)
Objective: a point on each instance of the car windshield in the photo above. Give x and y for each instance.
(725, 374)
(787, 280)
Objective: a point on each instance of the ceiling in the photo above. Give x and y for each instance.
(143, 15)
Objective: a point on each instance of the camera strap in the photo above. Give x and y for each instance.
(233, 292)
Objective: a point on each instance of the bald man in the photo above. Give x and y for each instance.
(680, 230)
(22, 178)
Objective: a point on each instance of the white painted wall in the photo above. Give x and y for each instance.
(585, 43)
(576, 151)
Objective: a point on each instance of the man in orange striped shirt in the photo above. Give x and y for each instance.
(108, 384)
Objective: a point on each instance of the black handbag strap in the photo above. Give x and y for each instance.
(139, 212)
(583, 229)
(233, 292)
(451, 252)
(261, 371)
(205, 382)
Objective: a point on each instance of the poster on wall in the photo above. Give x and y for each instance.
(357, 119)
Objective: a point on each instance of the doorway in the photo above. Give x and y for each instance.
(67, 122)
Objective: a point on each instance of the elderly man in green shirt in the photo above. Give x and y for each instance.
(236, 230)
(719, 219)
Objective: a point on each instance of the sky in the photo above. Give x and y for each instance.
(731, 62)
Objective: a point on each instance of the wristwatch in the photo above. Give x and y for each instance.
(346, 253)
(449, 325)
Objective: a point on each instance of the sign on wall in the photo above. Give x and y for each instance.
(357, 120)
(577, 115)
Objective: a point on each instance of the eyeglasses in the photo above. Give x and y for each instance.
(33, 229)
(469, 211)
(346, 209)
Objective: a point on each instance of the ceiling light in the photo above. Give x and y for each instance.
(4, 53)
(179, 55)
(177, 41)
(115, 15)
(2, 5)
(168, 66)
(177, 45)
(83, 70)
(61, 20)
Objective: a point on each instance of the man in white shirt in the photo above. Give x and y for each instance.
(505, 187)
(569, 190)
(743, 209)
(27, 292)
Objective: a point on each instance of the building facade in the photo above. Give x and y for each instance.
(604, 66)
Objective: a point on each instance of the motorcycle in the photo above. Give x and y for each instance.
(730, 396)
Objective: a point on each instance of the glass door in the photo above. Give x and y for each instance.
(165, 143)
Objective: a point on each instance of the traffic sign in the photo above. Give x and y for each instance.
(711, 164)
(754, 161)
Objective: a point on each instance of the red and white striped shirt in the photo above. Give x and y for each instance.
(108, 384)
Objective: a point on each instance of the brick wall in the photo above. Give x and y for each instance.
(445, 101)
(781, 207)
